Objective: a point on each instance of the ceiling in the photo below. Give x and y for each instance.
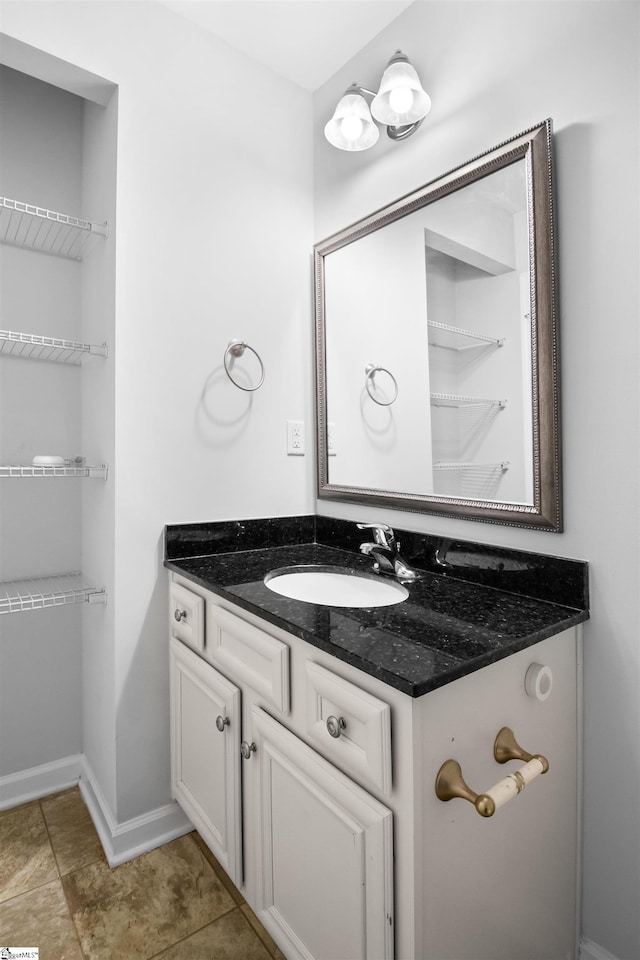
(305, 41)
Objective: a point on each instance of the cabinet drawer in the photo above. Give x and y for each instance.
(249, 655)
(186, 616)
(360, 724)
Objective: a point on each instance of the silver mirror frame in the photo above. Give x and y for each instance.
(545, 513)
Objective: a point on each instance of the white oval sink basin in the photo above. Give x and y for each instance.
(335, 587)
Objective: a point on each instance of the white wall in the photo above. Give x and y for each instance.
(492, 70)
(99, 694)
(213, 240)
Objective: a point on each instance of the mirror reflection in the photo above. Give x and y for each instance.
(436, 347)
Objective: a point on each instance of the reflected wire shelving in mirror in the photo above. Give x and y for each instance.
(453, 400)
(480, 467)
(453, 338)
(463, 270)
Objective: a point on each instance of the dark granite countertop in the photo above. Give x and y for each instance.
(454, 621)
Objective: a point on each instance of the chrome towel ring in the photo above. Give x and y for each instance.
(236, 348)
(370, 370)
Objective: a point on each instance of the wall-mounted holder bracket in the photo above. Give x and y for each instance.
(370, 371)
(450, 783)
(235, 349)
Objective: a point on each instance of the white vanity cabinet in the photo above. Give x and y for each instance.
(347, 852)
(310, 848)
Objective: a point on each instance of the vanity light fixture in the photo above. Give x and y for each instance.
(400, 104)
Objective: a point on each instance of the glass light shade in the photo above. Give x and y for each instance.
(400, 99)
(351, 126)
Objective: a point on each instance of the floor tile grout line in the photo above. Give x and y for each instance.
(37, 886)
(51, 843)
(226, 913)
(87, 955)
(62, 885)
(24, 893)
(264, 943)
(193, 932)
(46, 827)
(84, 955)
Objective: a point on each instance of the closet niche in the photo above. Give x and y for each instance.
(50, 369)
(479, 340)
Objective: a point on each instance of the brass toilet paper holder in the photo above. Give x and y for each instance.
(450, 783)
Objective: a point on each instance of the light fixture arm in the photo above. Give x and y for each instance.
(401, 133)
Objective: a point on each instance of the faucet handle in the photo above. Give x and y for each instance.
(382, 533)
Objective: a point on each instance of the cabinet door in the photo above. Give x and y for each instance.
(324, 856)
(205, 754)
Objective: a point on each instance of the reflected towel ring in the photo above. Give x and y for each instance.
(236, 348)
(370, 370)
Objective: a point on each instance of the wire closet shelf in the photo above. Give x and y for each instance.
(34, 347)
(68, 469)
(455, 338)
(17, 596)
(455, 400)
(479, 467)
(27, 225)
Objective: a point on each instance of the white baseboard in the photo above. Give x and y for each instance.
(124, 841)
(40, 781)
(120, 841)
(592, 951)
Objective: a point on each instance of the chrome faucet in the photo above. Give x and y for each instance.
(385, 551)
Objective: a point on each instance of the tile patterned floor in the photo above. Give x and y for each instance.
(58, 893)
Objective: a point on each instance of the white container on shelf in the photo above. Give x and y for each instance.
(48, 460)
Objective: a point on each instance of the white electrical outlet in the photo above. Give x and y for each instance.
(295, 438)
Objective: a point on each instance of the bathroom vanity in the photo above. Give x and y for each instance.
(306, 740)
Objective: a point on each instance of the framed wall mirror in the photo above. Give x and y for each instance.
(437, 346)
